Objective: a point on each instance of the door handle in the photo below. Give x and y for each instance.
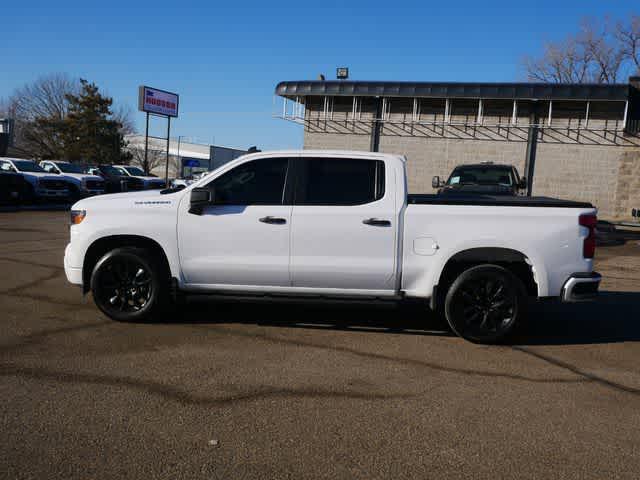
(273, 220)
(376, 222)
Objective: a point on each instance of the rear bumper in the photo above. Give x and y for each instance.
(581, 286)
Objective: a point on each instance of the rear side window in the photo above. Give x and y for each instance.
(339, 181)
(260, 182)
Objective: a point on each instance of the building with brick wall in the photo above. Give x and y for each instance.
(575, 141)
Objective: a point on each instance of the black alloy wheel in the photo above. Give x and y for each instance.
(127, 285)
(485, 303)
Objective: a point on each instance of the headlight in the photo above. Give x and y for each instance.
(77, 216)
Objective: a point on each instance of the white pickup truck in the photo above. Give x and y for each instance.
(331, 224)
(81, 184)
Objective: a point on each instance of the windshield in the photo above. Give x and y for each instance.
(69, 167)
(27, 166)
(480, 176)
(135, 171)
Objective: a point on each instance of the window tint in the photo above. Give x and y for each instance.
(339, 181)
(260, 182)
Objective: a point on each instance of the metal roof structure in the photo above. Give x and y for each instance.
(520, 91)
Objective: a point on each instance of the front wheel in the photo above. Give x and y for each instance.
(485, 303)
(129, 285)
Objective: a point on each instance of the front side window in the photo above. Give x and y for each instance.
(69, 167)
(339, 181)
(260, 182)
(135, 171)
(108, 170)
(122, 171)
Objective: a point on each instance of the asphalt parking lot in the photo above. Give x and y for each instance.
(282, 391)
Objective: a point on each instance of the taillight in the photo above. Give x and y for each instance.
(589, 221)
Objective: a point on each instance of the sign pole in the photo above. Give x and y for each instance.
(146, 146)
(166, 167)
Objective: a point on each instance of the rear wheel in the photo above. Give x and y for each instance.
(129, 285)
(485, 303)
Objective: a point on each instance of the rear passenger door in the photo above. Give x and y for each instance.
(343, 228)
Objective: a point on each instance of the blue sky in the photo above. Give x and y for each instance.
(225, 60)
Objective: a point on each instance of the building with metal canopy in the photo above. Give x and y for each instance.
(578, 141)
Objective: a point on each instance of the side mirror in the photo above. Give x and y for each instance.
(435, 182)
(523, 183)
(200, 198)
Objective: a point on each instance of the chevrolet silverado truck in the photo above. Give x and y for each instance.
(40, 185)
(322, 224)
(81, 184)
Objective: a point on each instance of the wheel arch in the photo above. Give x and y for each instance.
(513, 260)
(105, 244)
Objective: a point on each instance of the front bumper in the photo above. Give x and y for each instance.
(581, 286)
(73, 273)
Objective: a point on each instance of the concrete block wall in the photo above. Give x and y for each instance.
(336, 141)
(427, 157)
(628, 182)
(607, 176)
(579, 172)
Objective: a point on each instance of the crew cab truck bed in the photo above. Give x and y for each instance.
(332, 224)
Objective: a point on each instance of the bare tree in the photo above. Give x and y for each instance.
(598, 53)
(44, 99)
(629, 37)
(562, 62)
(155, 158)
(123, 114)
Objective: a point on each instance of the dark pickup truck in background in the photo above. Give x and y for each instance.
(482, 178)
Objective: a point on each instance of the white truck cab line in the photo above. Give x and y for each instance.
(332, 224)
(43, 185)
(150, 182)
(83, 184)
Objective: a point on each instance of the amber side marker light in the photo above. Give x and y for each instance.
(77, 216)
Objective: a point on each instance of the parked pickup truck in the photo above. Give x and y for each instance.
(81, 184)
(482, 178)
(149, 181)
(39, 185)
(331, 224)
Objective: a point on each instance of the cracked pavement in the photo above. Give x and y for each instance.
(308, 391)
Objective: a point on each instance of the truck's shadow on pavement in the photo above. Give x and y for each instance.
(613, 317)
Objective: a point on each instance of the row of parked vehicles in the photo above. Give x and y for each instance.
(26, 181)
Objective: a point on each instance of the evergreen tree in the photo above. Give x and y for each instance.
(90, 132)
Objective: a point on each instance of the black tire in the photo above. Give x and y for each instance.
(130, 285)
(485, 303)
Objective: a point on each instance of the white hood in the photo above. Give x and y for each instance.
(81, 176)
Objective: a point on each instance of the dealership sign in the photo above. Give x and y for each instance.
(152, 100)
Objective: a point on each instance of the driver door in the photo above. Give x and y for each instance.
(242, 237)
